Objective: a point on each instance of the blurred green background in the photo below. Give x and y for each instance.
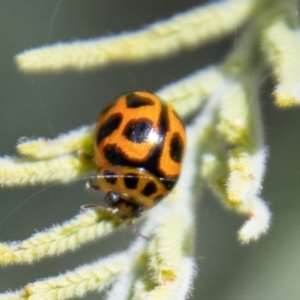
(46, 105)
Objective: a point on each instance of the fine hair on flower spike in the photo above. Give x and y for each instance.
(145, 111)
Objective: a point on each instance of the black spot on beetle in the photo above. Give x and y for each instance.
(110, 177)
(149, 189)
(115, 155)
(176, 148)
(110, 125)
(137, 131)
(131, 181)
(134, 101)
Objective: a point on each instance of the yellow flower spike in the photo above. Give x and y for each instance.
(6, 253)
(234, 115)
(61, 169)
(93, 277)
(185, 30)
(211, 161)
(259, 220)
(135, 269)
(18, 295)
(86, 227)
(246, 161)
(166, 249)
(79, 139)
(282, 47)
(170, 290)
(239, 186)
(189, 93)
(245, 175)
(214, 170)
(240, 177)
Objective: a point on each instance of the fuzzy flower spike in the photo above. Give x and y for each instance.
(225, 148)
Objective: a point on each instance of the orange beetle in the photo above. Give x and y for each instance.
(139, 147)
